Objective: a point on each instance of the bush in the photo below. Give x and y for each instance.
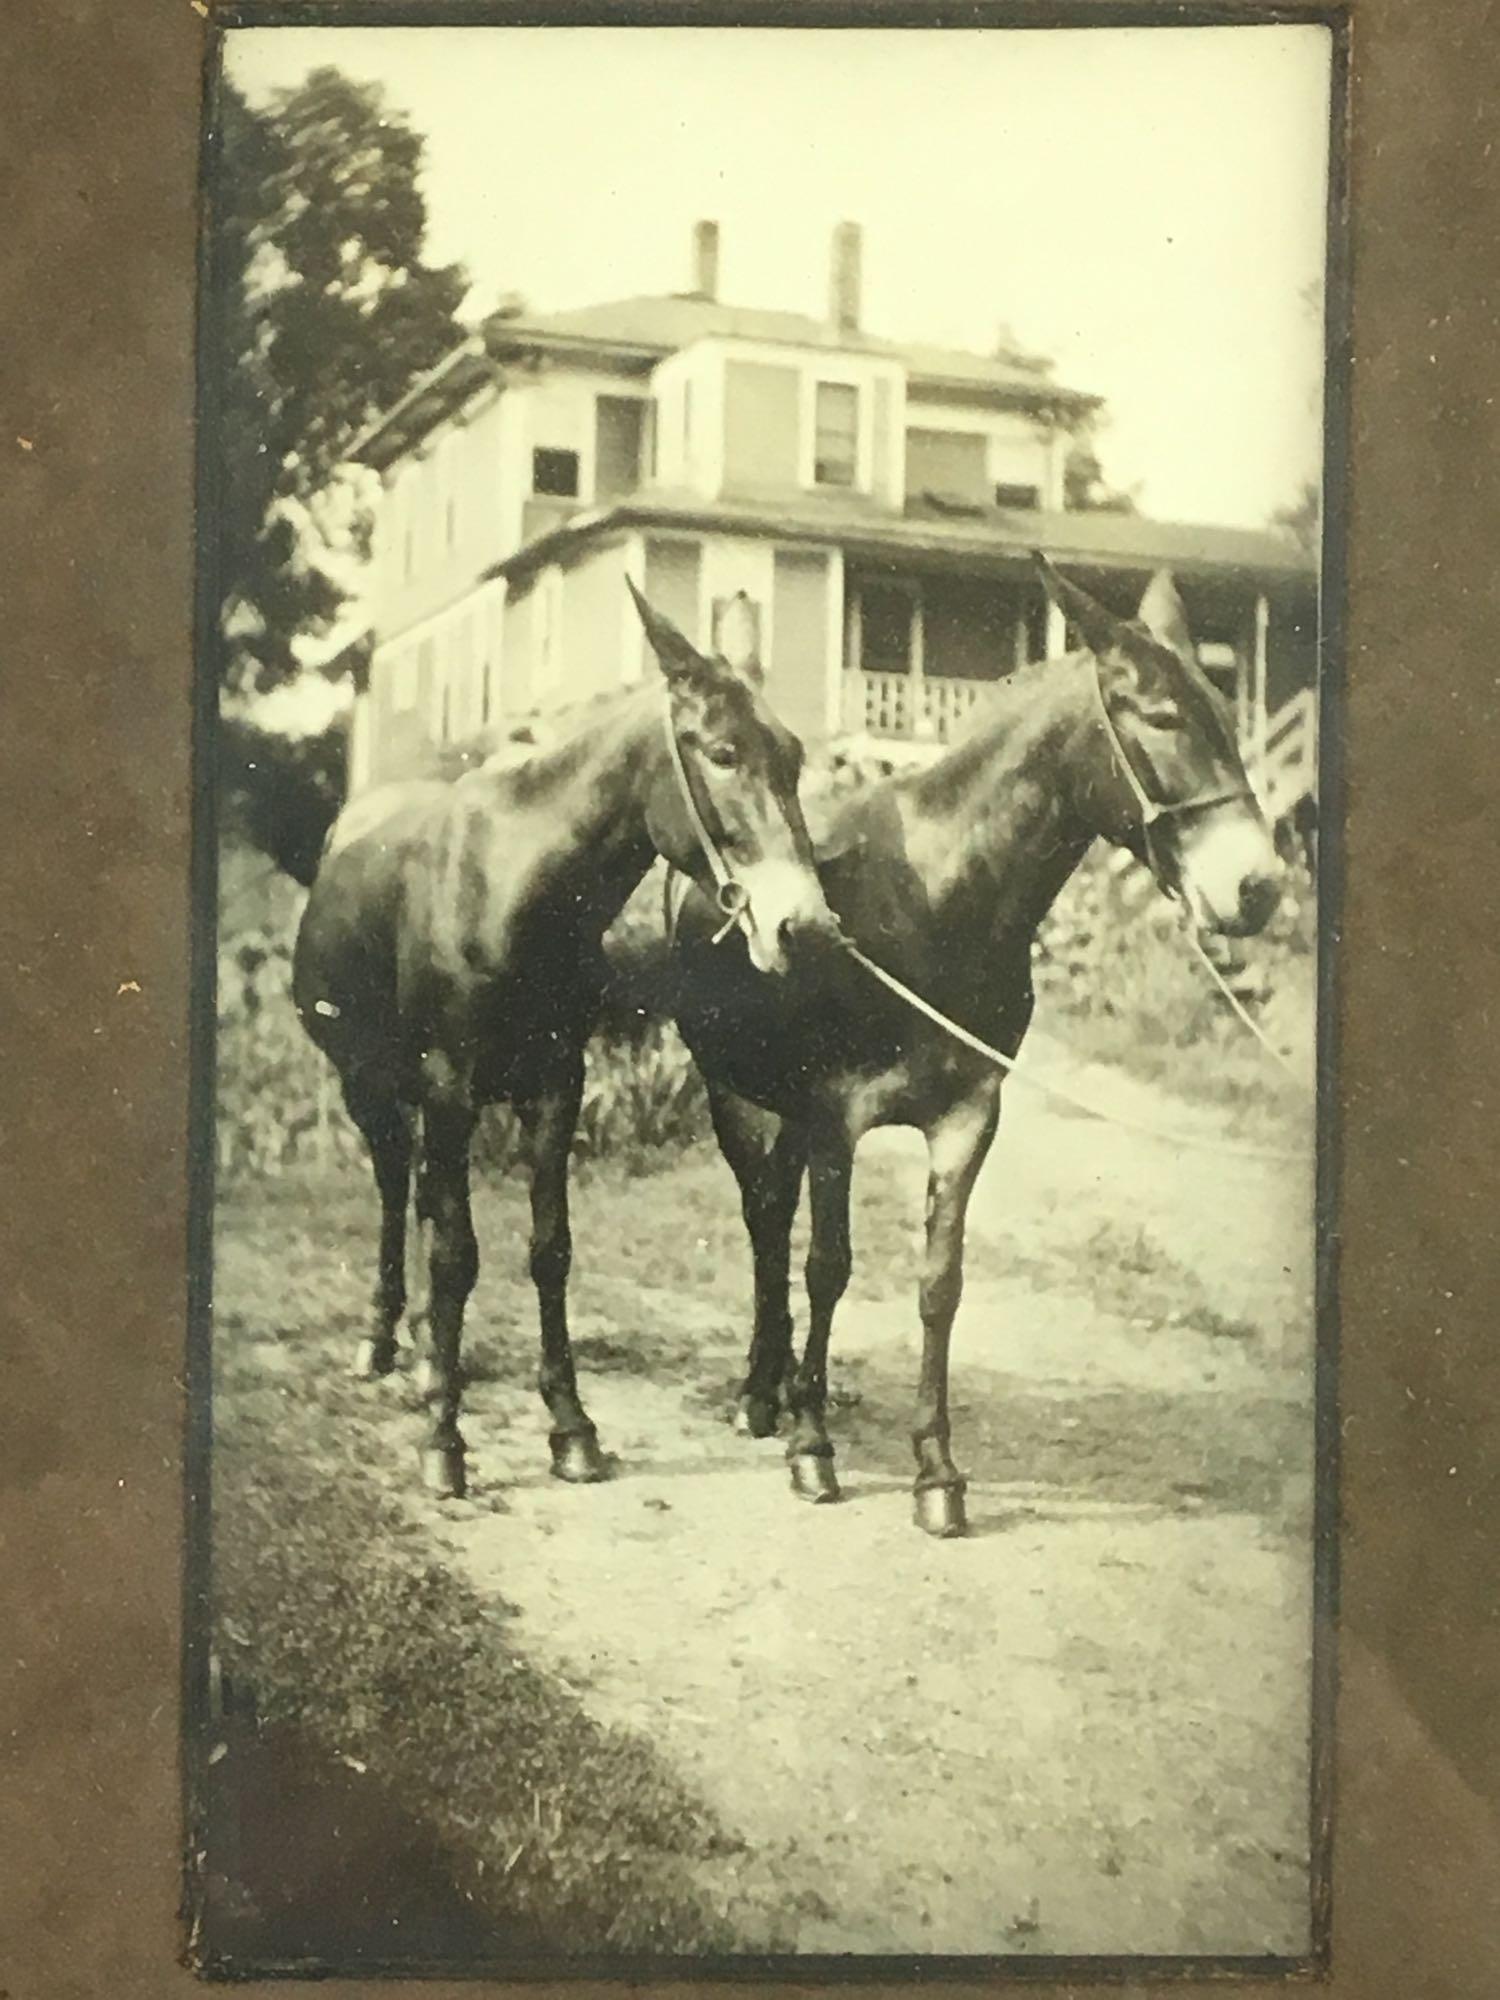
(280, 1108)
(1113, 973)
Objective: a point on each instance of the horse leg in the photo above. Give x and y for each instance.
(387, 1131)
(550, 1119)
(810, 1452)
(447, 1128)
(419, 1284)
(767, 1157)
(956, 1147)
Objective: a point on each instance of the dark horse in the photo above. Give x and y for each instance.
(942, 878)
(450, 957)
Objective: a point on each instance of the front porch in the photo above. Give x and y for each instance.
(923, 651)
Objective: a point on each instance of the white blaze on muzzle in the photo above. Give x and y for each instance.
(1229, 872)
(782, 898)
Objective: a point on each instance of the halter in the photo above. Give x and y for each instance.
(1151, 810)
(730, 893)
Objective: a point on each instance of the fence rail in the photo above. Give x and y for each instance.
(928, 709)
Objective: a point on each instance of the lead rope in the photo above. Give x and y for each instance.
(1040, 1080)
(1244, 1014)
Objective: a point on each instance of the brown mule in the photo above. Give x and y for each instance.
(450, 956)
(942, 878)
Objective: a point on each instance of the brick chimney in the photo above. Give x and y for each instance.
(843, 278)
(706, 259)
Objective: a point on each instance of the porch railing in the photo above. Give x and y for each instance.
(1285, 766)
(902, 705)
(917, 709)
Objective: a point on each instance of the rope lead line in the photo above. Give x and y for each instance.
(1041, 1081)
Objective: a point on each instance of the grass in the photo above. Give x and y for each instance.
(330, 1606)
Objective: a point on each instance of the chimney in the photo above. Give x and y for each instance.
(706, 259)
(843, 278)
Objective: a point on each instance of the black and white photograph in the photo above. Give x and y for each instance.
(764, 1344)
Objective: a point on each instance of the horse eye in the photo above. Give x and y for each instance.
(723, 756)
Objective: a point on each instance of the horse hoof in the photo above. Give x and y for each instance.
(755, 1417)
(813, 1477)
(939, 1511)
(372, 1359)
(443, 1471)
(577, 1458)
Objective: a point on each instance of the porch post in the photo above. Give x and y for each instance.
(837, 672)
(1258, 685)
(916, 689)
(1057, 632)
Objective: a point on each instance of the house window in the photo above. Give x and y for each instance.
(1025, 498)
(885, 622)
(554, 472)
(836, 434)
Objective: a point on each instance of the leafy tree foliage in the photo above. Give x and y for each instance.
(325, 312)
(1303, 519)
(1085, 489)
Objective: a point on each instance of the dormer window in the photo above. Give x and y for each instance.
(836, 434)
(554, 473)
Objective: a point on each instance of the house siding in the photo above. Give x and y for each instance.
(592, 662)
(797, 675)
(461, 467)
(761, 444)
(671, 585)
(953, 463)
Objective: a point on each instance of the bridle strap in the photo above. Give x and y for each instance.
(1151, 810)
(731, 894)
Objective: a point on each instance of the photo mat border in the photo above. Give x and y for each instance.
(730, 14)
(860, 1966)
(159, 915)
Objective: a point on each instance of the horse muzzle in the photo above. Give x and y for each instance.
(784, 914)
(1231, 877)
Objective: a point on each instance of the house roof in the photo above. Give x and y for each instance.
(656, 325)
(997, 539)
(636, 333)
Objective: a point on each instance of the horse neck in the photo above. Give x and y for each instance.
(594, 787)
(997, 825)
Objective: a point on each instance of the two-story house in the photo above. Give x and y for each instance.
(876, 500)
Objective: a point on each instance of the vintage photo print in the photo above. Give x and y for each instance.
(762, 1357)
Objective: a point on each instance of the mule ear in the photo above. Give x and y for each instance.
(678, 659)
(1101, 630)
(739, 636)
(1164, 618)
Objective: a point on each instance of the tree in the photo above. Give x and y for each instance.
(326, 312)
(1303, 519)
(1085, 490)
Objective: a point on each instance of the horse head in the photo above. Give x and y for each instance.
(723, 807)
(1173, 789)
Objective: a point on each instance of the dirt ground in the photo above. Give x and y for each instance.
(1083, 1729)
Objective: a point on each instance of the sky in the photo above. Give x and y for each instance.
(1144, 205)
